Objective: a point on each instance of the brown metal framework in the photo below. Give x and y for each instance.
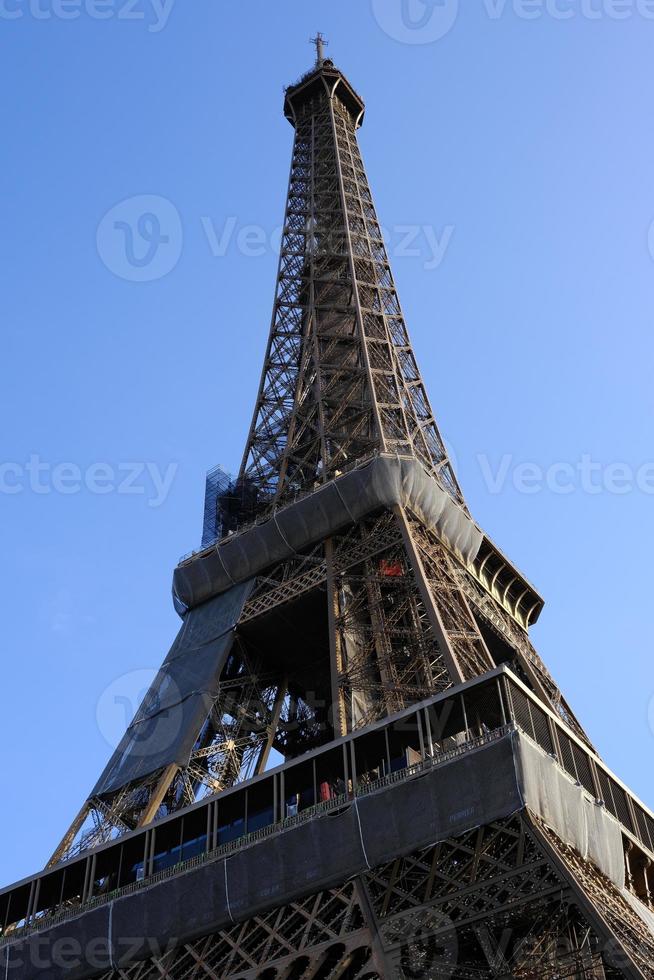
(376, 617)
(496, 902)
(340, 380)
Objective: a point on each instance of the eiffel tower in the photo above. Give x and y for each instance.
(352, 763)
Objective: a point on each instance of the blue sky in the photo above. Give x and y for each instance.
(511, 158)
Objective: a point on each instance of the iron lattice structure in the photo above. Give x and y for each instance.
(358, 624)
(496, 902)
(340, 379)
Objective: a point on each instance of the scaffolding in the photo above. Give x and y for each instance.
(229, 502)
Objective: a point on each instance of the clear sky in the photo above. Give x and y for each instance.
(511, 158)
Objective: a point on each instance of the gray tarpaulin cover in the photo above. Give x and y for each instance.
(466, 792)
(469, 791)
(173, 711)
(569, 812)
(383, 482)
(640, 909)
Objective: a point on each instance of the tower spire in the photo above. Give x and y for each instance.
(340, 380)
(320, 44)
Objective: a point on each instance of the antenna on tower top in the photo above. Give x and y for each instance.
(320, 44)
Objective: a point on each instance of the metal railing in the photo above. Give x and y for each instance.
(496, 704)
(340, 802)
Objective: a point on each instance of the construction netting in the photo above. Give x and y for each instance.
(385, 481)
(174, 709)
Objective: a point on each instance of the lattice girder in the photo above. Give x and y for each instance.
(392, 614)
(490, 903)
(350, 384)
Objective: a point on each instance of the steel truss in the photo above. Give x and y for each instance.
(527, 662)
(340, 380)
(491, 903)
(404, 622)
(395, 616)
